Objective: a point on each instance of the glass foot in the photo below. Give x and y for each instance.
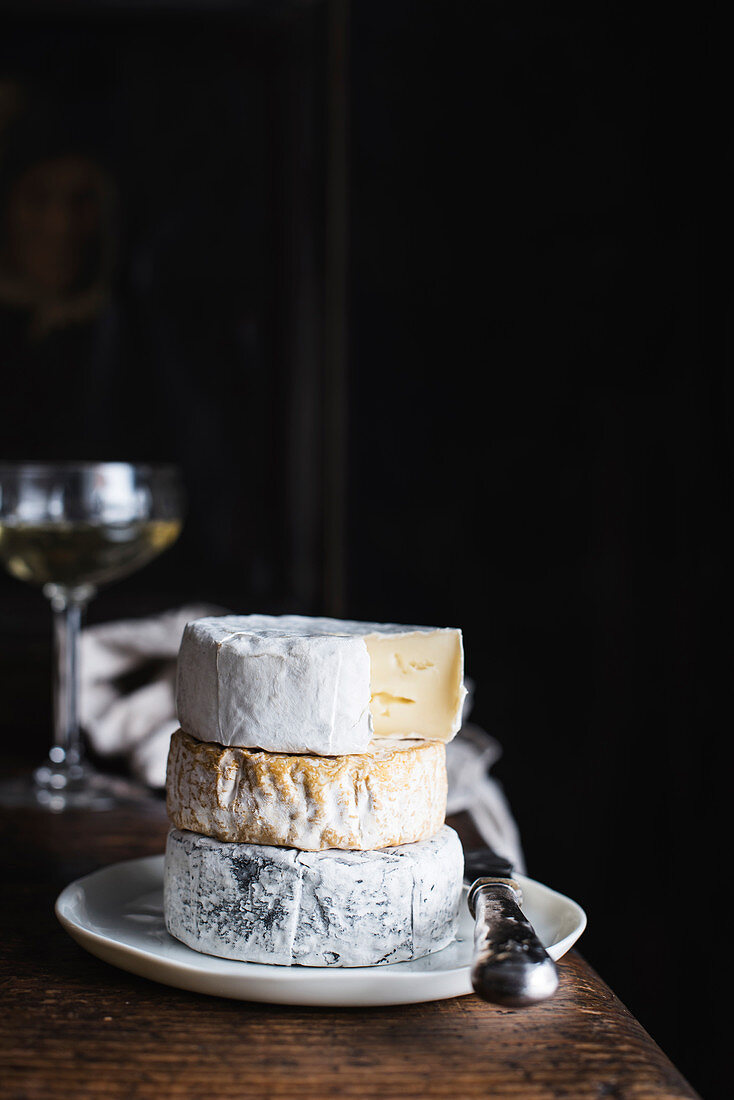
(80, 788)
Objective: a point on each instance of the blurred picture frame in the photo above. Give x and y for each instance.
(173, 244)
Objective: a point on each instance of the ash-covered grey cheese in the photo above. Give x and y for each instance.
(257, 903)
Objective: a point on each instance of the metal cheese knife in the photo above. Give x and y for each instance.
(510, 965)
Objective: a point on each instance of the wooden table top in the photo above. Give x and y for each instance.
(73, 1026)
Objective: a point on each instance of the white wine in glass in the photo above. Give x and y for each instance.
(69, 528)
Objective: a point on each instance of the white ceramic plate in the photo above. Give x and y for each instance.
(117, 914)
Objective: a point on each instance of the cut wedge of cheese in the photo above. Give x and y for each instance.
(394, 793)
(324, 686)
(264, 904)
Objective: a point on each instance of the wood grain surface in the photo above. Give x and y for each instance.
(73, 1026)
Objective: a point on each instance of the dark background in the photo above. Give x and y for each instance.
(468, 373)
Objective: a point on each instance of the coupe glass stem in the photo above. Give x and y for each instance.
(67, 622)
(66, 756)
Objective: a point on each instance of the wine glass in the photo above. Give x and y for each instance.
(70, 527)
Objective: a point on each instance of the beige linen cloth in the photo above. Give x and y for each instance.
(125, 712)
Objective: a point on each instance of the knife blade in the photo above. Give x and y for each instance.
(510, 966)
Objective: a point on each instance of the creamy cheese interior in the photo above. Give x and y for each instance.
(416, 683)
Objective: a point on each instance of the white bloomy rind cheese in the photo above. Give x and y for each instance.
(257, 903)
(394, 793)
(324, 686)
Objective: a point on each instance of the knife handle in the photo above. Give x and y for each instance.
(510, 965)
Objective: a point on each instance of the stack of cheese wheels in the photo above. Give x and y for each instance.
(307, 791)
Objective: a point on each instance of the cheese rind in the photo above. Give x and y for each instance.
(323, 686)
(394, 793)
(257, 903)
